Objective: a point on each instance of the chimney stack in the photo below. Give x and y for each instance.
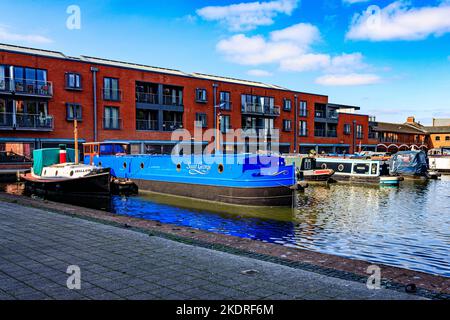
(411, 120)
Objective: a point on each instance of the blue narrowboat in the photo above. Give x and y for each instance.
(242, 179)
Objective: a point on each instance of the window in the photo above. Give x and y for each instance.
(225, 101)
(73, 111)
(111, 118)
(438, 138)
(359, 131)
(447, 138)
(73, 80)
(225, 123)
(287, 125)
(303, 112)
(201, 118)
(111, 90)
(200, 95)
(287, 105)
(347, 128)
(303, 129)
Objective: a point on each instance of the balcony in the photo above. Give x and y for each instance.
(373, 135)
(332, 115)
(151, 98)
(319, 114)
(258, 131)
(112, 124)
(172, 125)
(147, 125)
(170, 100)
(112, 94)
(26, 121)
(325, 133)
(257, 109)
(26, 87)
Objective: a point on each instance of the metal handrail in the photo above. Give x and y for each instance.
(172, 125)
(27, 86)
(26, 120)
(172, 100)
(260, 109)
(143, 97)
(146, 125)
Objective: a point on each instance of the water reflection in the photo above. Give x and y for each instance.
(407, 226)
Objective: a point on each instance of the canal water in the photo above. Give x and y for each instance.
(407, 227)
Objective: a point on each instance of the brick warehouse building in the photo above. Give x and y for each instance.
(40, 91)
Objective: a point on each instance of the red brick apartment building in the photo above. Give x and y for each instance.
(41, 91)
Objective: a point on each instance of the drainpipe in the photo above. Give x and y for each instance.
(354, 137)
(295, 123)
(215, 85)
(94, 88)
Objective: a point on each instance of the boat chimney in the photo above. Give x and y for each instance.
(62, 153)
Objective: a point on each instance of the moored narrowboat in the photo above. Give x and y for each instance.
(241, 179)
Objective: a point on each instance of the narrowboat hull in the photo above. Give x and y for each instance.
(228, 179)
(264, 196)
(95, 185)
(440, 164)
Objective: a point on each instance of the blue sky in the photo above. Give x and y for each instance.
(391, 58)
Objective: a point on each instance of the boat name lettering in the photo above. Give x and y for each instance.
(198, 168)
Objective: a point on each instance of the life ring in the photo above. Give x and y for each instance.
(324, 166)
(340, 167)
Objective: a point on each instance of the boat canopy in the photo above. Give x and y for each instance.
(409, 163)
(48, 157)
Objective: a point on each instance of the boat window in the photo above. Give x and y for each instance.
(178, 167)
(142, 165)
(220, 168)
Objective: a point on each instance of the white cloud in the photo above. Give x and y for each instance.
(306, 62)
(259, 73)
(7, 35)
(400, 21)
(353, 1)
(291, 49)
(247, 16)
(352, 79)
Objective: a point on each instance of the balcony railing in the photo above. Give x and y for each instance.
(319, 114)
(332, 115)
(151, 98)
(27, 87)
(112, 94)
(320, 133)
(258, 130)
(147, 125)
(260, 109)
(332, 133)
(172, 100)
(26, 121)
(112, 123)
(172, 125)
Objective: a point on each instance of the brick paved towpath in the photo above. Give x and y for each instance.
(37, 246)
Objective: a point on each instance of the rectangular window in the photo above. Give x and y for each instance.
(73, 80)
(287, 105)
(225, 100)
(111, 118)
(73, 111)
(302, 129)
(2, 77)
(111, 90)
(287, 125)
(447, 138)
(347, 129)
(225, 123)
(438, 138)
(303, 112)
(359, 131)
(200, 119)
(200, 95)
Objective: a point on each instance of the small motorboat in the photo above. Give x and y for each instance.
(390, 180)
(56, 172)
(307, 170)
(411, 164)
